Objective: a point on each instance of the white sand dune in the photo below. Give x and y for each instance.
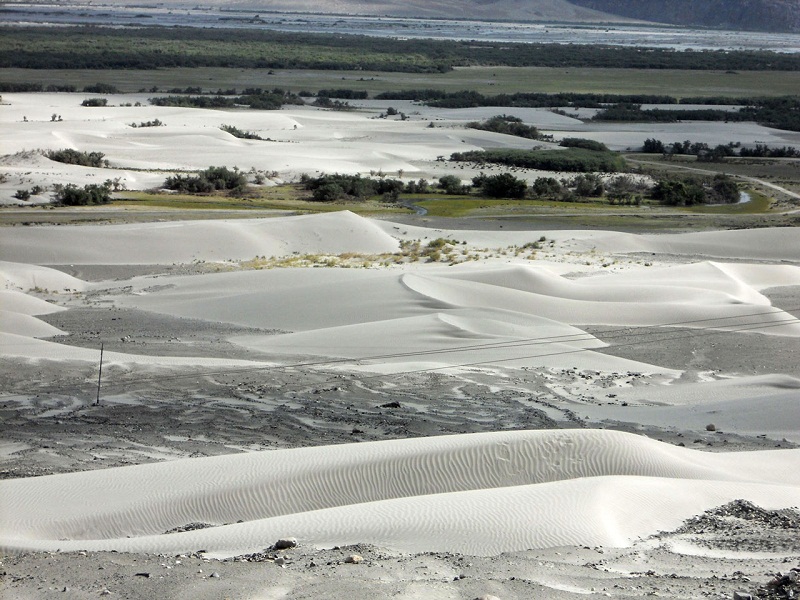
(450, 338)
(477, 493)
(19, 340)
(780, 243)
(703, 295)
(25, 304)
(26, 274)
(764, 405)
(756, 244)
(25, 325)
(187, 241)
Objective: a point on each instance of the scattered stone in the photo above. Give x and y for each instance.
(784, 586)
(280, 561)
(285, 544)
(215, 575)
(354, 559)
(711, 427)
(189, 527)
(145, 575)
(742, 596)
(391, 405)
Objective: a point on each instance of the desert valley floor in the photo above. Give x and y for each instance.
(548, 413)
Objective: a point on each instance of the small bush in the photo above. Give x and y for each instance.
(583, 143)
(153, 123)
(504, 185)
(238, 133)
(507, 125)
(74, 157)
(95, 102)
(450, 184)
(210, 180)
(72, 195)
(22, 195)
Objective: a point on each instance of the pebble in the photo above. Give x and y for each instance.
(354, 559)
(215, 575)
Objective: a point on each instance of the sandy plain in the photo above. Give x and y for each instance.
(528, 419)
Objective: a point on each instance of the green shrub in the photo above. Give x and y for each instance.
(583, 143)
(546, 186)
(504, 185)
(507, 125)
(72, 195)
(328, 188)
(95, 102)
(578, 160)
(238, 133)
(74, 157)
(210, 180)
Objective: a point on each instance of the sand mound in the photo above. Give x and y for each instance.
(757, 406)
(768, 243)
(482, 493)
(25, 304)
(25, 325)
(25, 276)
(188, 241)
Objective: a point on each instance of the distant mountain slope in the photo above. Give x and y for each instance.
(756, 15)
(488, 10)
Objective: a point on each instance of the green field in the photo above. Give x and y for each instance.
(486, 80)
(281, 198)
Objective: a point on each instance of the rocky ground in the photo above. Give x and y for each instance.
(649, 569)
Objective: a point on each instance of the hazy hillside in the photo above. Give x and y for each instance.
(760, 15)
(509, 10)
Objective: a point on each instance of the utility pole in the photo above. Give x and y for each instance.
(99, 375)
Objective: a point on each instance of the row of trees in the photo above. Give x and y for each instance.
(158, 47)
(253, 98)
(573, 159)
(781, 113)
(704, 152)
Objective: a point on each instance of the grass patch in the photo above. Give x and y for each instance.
(485, 80)
(463, 206)
(284, 198)
(759, 203)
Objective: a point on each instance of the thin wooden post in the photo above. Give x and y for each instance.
(99, 375)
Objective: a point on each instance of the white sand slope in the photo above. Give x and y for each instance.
(26, 274)
(187, 241)
(476, 493)
(467, 314)
(764, 405)
(19, 340)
